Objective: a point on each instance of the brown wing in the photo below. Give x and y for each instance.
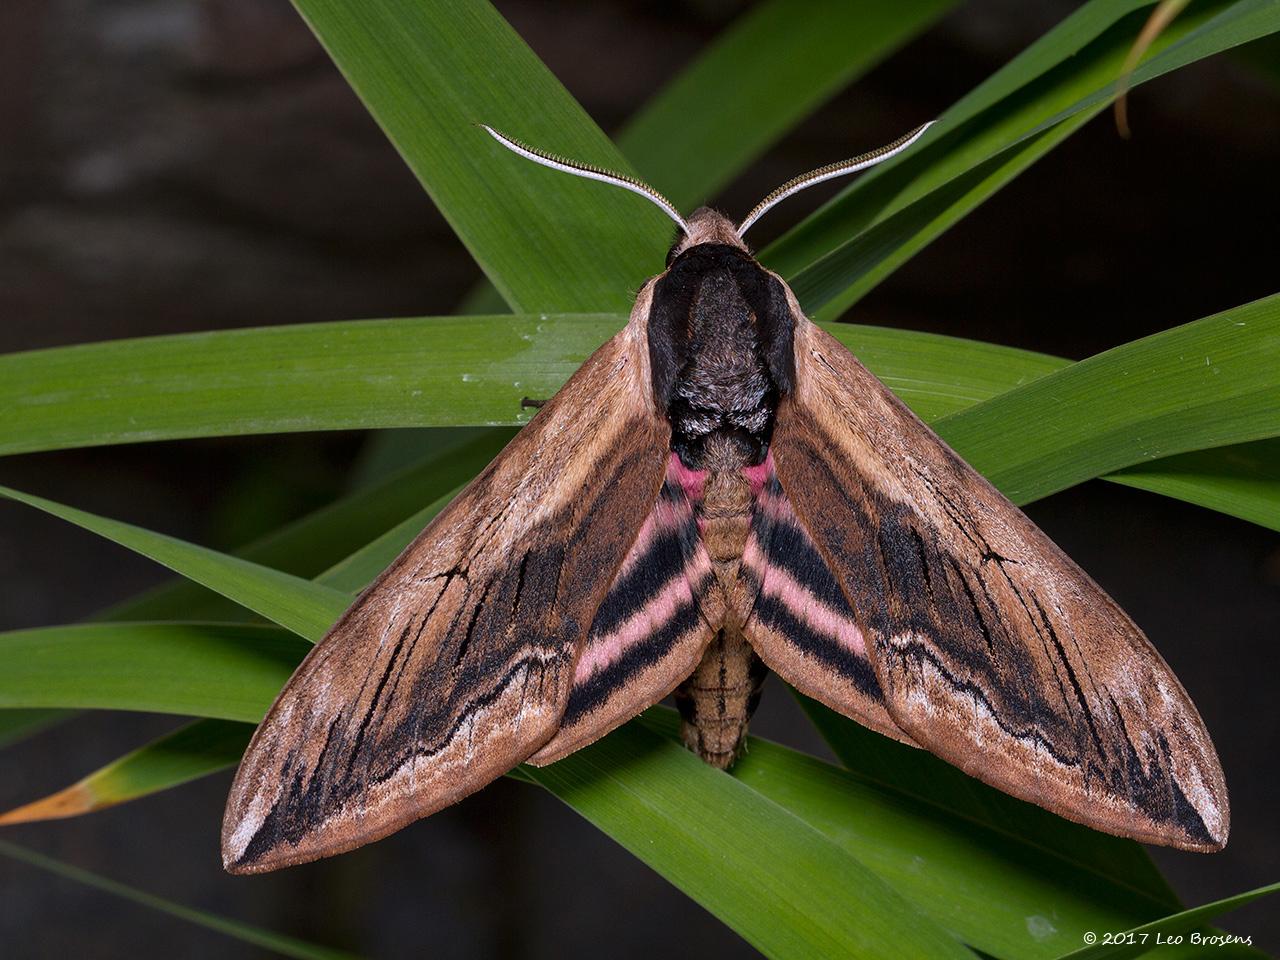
(455, 665)
(994, 650)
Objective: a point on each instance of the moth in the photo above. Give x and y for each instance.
(721, 489)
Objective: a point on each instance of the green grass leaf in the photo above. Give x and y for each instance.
(753, 863)
(772, 67)
(189, 753)
(300, 605)
(989, 137)
(546, 241)
(997, 890)
(276, 942)
(312, 544)
(767, 71)
(220, 670)
(1204, 384)
(920, 777)
(408, 372)
(1242, 481)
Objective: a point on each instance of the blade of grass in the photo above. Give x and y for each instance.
(305, 607)
(189, 753)
(682, 817)
(218, 670)
(288, 379)
(546, 241)
(426, 371)
(310, 545)
(1204, 384)
(1241, 481)
(18, 725)
(774, 65)
(852, 243)
(276, 942)
(923, 778)
(951, 867)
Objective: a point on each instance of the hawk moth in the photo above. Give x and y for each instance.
(721, 489)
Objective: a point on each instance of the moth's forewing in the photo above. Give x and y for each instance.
(993, 649)
(456, 664)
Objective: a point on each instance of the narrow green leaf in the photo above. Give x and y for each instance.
(323, 376)
(1242, 481)
(773, 66)
(426, 371)
(300, 605)
(219, 670)
(18, 725)
(982, 143)
(1142, 940)
(432, 371)
(309, 546)
(992, 888)
(276, 942)
(1204, 384)
(546, 241)
(193, 751)
(783, 886)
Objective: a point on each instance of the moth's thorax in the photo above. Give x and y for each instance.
(718, 325)
(723, 395)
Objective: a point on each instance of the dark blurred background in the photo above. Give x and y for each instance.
(171, 165)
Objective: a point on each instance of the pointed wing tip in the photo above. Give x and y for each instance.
(241, 860)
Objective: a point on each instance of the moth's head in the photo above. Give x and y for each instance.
(706, 225)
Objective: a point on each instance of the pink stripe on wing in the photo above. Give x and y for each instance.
(665, 516)
(692, 482)
(757, 475)
(602, 651)
(804, 606)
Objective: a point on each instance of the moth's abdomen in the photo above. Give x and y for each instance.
(718, 699)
